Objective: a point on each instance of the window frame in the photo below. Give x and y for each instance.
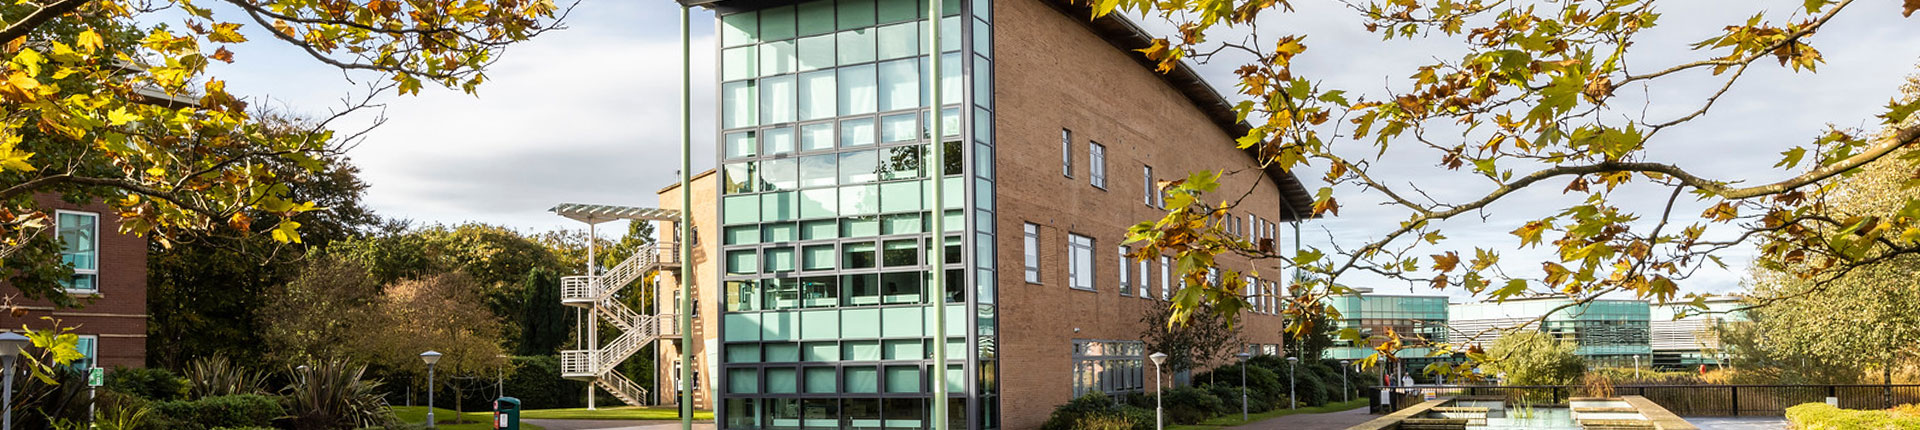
(95, 236)
(1066, 152)
(1031, 257)
(91, 354)
(1126, 276)
(1080, 250)
(1097, 165)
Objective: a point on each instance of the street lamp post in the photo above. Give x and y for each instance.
(500, 376)
(430, 357)
(1346, 393)
(1243, 384)
(1157, 358)
(10, 345)
(1292, 393)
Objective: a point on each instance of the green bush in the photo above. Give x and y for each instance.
(1821, 416)
(244, 410)
(1096, 411)
(1266, 385)
(536, 382)
(1230, 399)
(147, 383)
(1310, 389)
(1189, 405)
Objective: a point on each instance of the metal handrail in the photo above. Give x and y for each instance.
(624, 388)
(577, 361)
(577, 287)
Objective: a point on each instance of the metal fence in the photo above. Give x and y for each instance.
(1692, 400)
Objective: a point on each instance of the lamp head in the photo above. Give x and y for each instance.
(1243, 356)
(430, 357)
(12, 343)
(1158, 358)
(1345, 362)
(1291, 360)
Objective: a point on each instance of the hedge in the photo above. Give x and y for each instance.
(245, 410)
(1821, 416)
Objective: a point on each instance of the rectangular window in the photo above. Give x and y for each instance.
(1166, 278)
(1146, 189)
(1111, 367)
(79, 234)
(1066, 152)
(1079, 262)
(1252, 289)
(1253, 227)
(89, 348)
(1097, 164)
(1126, 279)
(1033, 253)
(1144, 290)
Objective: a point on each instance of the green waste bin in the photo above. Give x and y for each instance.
(506, 413)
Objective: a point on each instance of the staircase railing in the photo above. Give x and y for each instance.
(623, 388)
(628, 343)
(574, 288)
(620, 315)
(577, 362)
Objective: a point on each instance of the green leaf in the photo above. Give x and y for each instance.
(1513, 288)
(1791, 157)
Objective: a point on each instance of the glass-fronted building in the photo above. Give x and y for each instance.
(1607, 332)
(1683, 336)
(826, 209)
(1417, 319)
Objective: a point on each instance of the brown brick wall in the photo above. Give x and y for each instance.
(1052, 72)
(118, 315)
(706, 283)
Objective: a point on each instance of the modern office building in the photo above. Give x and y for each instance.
(1417, 320)
(1607, 332)
(811, 261)
(109, 284)
(1682, 336)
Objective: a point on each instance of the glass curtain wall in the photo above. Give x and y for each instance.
(826, 209)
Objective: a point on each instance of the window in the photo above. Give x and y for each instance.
(1097, 164)
(1146, 190)
(1108, 366)
(1066, 152)
(1166, 278)
(1079, 262)
(1144, 292)
(89, 348)
(1033, 253)
(1126, 279)
(80, 248)
(1252, 289)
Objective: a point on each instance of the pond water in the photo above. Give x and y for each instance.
(1501, 416)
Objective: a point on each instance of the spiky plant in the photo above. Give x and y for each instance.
(332, 394)
(219, 376)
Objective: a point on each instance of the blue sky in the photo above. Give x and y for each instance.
(590, 114)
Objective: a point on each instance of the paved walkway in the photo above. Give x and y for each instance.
(1330, 420)
(1741, 423)
(615, 424)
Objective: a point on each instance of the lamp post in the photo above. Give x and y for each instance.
(1346, 393)
(1636, 367)
(1157, 358)
(430, 357)
(10, 345)
(1243, 384)
(500, 376)
(1292, 395)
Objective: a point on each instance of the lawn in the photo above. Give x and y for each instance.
(614, 413)
(1234, 419)
(475, 420)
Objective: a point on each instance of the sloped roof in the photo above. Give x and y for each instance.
(595, 214)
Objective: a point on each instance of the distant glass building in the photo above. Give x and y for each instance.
(1689, 341)
(1608, 332)
(1417, 319)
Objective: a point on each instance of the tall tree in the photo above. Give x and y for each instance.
(110, 100)
(1205, 339)
(204, 292)
(1541, 96)
(546, 323)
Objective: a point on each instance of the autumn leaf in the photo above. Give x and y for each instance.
(226, 32)
(286, 232)
(1446, 262)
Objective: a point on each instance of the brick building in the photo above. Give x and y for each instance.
(109, 282)
(814, 232)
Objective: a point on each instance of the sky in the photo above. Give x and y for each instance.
(589, 114)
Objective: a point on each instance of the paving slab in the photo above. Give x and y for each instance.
(1330, 420)
(1739, 423)
(615, 424)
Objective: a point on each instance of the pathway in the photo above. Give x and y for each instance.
(615, 424)
(1740, 423)
(1330, 420)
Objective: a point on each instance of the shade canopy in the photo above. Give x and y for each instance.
(595, 214)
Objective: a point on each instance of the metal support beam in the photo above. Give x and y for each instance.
(939, 254)
(685, 313)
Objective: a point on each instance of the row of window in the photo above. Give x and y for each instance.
(1263, 294)
(848, 413)
(874, 289)
(852, 133)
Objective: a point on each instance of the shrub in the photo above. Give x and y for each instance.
(1067, 416)
(1230, 399)
(332, 394)
(243, 410)
(1309, 387)
(1189, 405)
(147, 383)
(1821, 416)
(217, 376)
(1096, 411)
(1266, 384)
(536, 382)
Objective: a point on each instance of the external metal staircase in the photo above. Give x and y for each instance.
(598, 294)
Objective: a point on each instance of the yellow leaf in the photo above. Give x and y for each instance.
(226, 32)
(286, 232)
(156, 171)
(120, 116)
(90, 41)
(12, 159)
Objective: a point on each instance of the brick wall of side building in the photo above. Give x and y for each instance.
(117, 315)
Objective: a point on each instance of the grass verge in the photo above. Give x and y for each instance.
(614, 413)
(474, 420)
(1234, 419)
